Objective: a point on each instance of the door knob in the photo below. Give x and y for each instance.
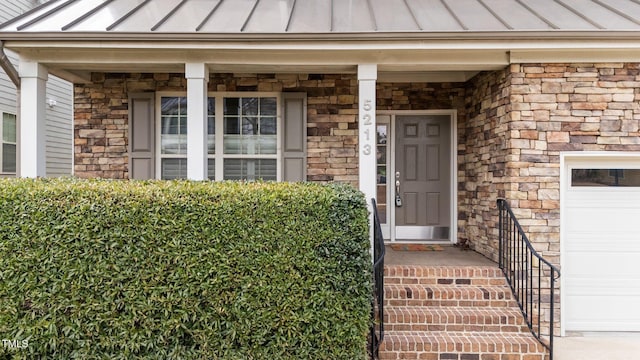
(398, 199)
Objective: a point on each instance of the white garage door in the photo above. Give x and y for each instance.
(601, 244)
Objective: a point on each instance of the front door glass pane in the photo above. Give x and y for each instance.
(382, 167)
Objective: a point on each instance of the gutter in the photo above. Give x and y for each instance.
(8, 67)
(372, 36)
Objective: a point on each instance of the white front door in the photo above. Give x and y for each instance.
(415, 191)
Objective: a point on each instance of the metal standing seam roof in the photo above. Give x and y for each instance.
(110, 18)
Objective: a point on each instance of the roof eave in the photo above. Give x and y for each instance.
(317, 37)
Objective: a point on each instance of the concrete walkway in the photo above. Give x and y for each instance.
(598, 347)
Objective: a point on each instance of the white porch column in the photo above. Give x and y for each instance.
(197, 76)
(367, 75)
(32, 137)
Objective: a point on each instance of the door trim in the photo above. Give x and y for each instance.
(453, 170)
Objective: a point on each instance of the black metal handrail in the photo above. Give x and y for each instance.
(531, 277)
(377, 300)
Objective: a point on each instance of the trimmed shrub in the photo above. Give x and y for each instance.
(183, 270)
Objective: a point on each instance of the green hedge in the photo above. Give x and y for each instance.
(183, 270)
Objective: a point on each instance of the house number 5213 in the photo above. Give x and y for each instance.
(367, 121)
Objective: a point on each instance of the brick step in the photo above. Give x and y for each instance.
(460, 346)
(448, 295)
(444, 275)
(454, 319)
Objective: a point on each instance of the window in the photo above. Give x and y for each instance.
(173, 137)
(250, 141)
(242, 139)
(8, 148)
(382, 147)
(211, 138)
(605, 177)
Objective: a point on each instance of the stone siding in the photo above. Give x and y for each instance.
(518, 122)
(512, 126)
(101, 118)
(101, 115)
(482, 160)
(101, 125)
(564, 107)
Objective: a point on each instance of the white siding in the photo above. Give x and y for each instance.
(9, 10)
(59, 117)
(59, 127)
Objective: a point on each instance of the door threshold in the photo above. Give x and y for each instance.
(420, 242)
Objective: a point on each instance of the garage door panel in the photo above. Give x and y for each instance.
(612, 242)
(601, 250)
(606, 201)
(603, 287)
(585, 313)
(602, 220)
(606, 195)
(589, 266)
(604, 192)
(606, 264)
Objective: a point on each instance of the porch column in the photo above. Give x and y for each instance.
(197, 76)
(32, 119)
(367, 75)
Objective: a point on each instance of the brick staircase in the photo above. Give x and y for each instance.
(453, 313)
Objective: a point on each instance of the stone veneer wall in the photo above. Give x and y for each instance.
(564, 107)
(519, 120)
(101, 124)
(421, 96)
(512, 125)
(101, 118)
(101, 115)
(101, 128)
(482, 157)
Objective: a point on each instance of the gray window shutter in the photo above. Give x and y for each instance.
(141, 136)
(294, 139)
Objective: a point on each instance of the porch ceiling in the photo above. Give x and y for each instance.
(397, 65)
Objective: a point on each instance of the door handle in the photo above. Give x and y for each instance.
(398, 199)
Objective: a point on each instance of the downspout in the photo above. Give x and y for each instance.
(8, 67)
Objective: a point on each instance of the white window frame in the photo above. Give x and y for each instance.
(385, 119)
(158, 131)
(2, 142)
(219, 155)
